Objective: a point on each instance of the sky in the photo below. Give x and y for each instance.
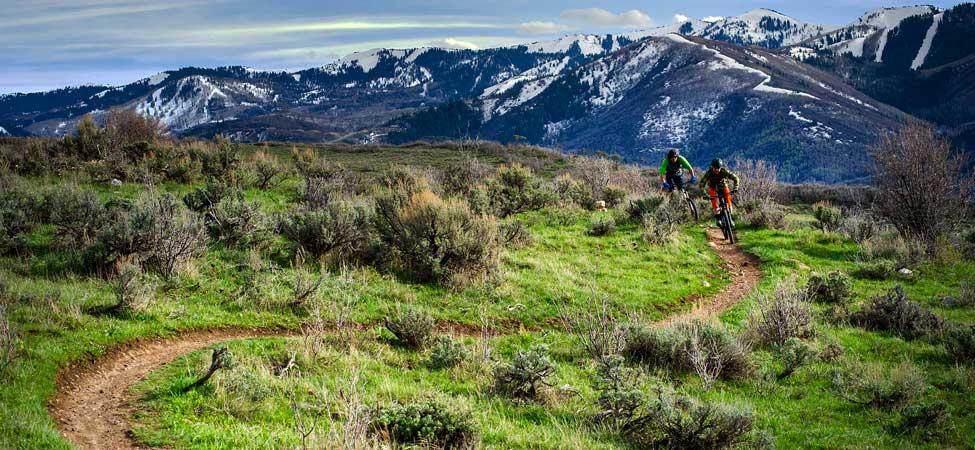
(47, 44)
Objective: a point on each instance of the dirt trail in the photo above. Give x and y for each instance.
(744, 278)
(92, 405)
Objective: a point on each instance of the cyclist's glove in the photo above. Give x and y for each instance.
(665, 186)
(693, 179)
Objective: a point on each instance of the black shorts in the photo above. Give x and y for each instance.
(676, 181)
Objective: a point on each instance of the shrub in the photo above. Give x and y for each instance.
(437, 240)
(602, 226)
(879, 386)
(795, 354)
(827, 215)
(77, 213)
(206, 197)
(571, 192)
(766, 214)
(220, 160)
(966, 295)
(782, 316)
(960, 343)
(236, 221)
(925, 419)
(126, 126)
(834, 288)
(895, 313)
(9, 338)
(412, 328)
(525, 375)
(708, 350)
(515, 233)
(460, 177)
(620, 399)
(678, 421)
(427, 423)
(860, 227)
(268, 169)
(341, 227)
(447, 353)
(614, 196)
(128, 289)
(515, 190)
(640, 208)
(917, 207)
(156, 231)
(879, 269)
(18, 206)
(601, 333)
(758, 181)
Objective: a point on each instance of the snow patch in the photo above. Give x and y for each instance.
(158, 78)
(676, 122)
(3, 132)
(922, 53)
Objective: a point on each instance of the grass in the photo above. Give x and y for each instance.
(563, 267)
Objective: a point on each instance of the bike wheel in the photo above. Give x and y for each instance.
(729, 227)
(693, 207)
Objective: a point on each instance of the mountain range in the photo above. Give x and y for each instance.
(811, 98)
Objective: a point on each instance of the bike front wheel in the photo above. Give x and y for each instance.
(692, 207)
(728, 227)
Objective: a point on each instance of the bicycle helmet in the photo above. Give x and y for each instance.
(716, 163)
(673, 153)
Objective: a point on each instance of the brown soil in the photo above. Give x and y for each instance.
(92, 405)
(744, 277)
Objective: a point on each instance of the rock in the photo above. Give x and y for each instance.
(706, 284)
(116, 182)
(905, 272)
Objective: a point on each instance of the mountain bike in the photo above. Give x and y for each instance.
(725, 221)
(686, 198)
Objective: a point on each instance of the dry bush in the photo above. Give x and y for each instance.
(758, 180)
(766, 214)
(709, 350)
(602, 226)
(601, 333)
(125, 126)
(620, 400)
(847, 196)
(596, 172)
(642, 207)
(220, 160)
(459, 178)
(130, 292)
(860, 227)
(895, 313)
(515, 233)
(920, 183)
(878, 385)
(268, 169)
(571, 192)
(438, 240)
(18, 212)
(781, 316)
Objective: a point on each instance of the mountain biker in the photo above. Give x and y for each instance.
(672, 171)
(718, 177)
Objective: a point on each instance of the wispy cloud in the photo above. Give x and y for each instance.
(680, 18)
(542, 27)
(633, 18)
(453, 43)
(345, 25)
(78, 15)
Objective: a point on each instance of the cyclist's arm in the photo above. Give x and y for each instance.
(663, 169)
(734, 178)
(687, 165)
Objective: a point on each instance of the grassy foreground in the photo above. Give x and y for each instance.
(564, 269)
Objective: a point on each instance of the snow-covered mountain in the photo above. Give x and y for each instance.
(706, 97)
(558, 91)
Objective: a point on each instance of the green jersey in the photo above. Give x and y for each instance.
(668, 169)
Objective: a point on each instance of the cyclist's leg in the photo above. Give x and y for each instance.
(727, 197)
(677, 182)
(714, 199)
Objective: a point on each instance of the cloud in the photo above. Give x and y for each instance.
(680, 18)
(343, 25)
(710, 19)
(453, 43)
(600, 17)
(89, 13)
(540, 27)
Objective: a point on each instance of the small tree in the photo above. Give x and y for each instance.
(758, 180)
(920, 186)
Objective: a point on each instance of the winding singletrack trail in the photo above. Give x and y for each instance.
(92, 404)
